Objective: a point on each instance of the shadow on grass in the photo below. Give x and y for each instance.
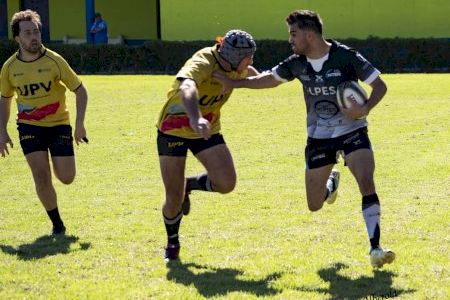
(45, 246)
(341, 287)
(212, 282)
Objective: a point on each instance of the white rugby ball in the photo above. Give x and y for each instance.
(349, 93)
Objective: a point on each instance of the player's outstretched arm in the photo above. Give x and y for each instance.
(261, 81)
(5, 109)
(189, 96)
(81, 104)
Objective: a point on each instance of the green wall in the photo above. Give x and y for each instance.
(12, 6)
(133, 19)
(342, 18)
(67, 17)
(205, 19)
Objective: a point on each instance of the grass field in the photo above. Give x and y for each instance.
(260, 240)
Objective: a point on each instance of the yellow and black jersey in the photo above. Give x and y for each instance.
(173, 119)
(41, 98)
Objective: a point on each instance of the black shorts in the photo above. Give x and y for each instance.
(171, 145)
(57, 139)
(322, 152)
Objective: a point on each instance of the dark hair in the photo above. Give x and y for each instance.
(25, 15)
(306, 20)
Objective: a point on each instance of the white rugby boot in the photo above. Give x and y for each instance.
(332, 186)
(379, 257)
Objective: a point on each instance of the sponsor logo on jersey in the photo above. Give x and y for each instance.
(18, 74)
(319, 78)
(44, 70)
(333, 73)
(326, 109)
(329, 123)
(30, 89)
(305, 78)
(321, 90)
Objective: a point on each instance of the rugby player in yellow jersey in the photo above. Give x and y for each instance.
(34, 74)
(190, 119)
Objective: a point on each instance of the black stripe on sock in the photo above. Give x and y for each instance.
(369, 200)
(375, 241)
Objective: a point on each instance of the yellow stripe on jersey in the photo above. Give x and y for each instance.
(173, 118)
(41, 96)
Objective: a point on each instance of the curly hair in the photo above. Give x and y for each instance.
(25, 15)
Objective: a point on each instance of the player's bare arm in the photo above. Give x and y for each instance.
(261, 81)
(81, 103)
(228, 83)
(378, 91)
(189, 95)
(5, 109)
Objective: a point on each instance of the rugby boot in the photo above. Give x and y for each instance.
(58, 231)
(332, 186)
(379, 257)
(171, 252)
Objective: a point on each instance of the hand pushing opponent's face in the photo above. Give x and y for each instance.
(244, 64)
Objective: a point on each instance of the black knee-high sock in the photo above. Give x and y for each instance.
(201, 182)
(172, 228)
(55, 217)
(371, 213)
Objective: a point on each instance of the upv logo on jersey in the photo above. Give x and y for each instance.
(31, 88)
(206, 100)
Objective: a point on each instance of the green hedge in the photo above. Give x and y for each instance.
(163, 57)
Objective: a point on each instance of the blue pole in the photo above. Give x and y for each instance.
(3, 20)
(90, 12)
